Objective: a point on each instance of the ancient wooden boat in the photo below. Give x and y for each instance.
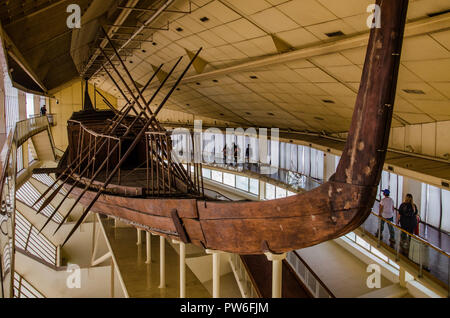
(126, 168)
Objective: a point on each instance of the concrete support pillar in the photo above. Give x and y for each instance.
(182, 267)
(402, 277)
(148, 244)
(215, 272)
(112, 278)
(25, 154)
(162, 262)
(182, 270)
(139, 237)
(58, 255)
(277, 274)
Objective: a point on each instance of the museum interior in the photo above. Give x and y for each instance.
(225, 148)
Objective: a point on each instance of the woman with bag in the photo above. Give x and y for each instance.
(409, 221)
(408, 218)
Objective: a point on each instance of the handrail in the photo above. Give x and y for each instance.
(23, 130)
(6, 163)
(412, 235)
(314, 274)
(20, 279)
(219, 194)
(249, 274)
(377, 200)
(90, 131)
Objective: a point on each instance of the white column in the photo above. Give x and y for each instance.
(58, 255)
(139, 237)
(277, 274)
(112, 278)
(148, 243)
(262, 190)
(182, 270)
(216, 272)
(162, 262)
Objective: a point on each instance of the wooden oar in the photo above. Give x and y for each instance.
(128, 152)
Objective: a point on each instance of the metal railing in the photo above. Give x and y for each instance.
(45, 179)
(8, 158)
(30, 242)
(28, 195)
(293, 179)
(51, 118)
(23, 289)
(309, 279)
(216, 195)
(413, 248)
(245, 282)
(408, 246)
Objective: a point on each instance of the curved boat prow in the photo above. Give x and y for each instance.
(364, 154)
(344, 202)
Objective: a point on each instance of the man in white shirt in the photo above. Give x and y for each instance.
(387, 212)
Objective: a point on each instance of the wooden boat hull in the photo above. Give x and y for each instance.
(243, 227)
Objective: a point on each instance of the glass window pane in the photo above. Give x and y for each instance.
(394, 264)
(282, 155)
(242, 183)
(289, 193)
(433, 206)
(379, 254)
(229, 179)
(300, 159)
(320, 164)
(270, 191)
(280, 192)
(254, 186)
(307, 161)
(445, 210)
(216, 176)
(363, 243)
(400, 190)
(313, 157)
(206, 173)
(351, 236)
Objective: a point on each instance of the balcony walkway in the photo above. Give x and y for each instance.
(437, 263)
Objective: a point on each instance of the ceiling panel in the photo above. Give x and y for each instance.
(317, 93)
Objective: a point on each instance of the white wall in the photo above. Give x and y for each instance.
(430, 139)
